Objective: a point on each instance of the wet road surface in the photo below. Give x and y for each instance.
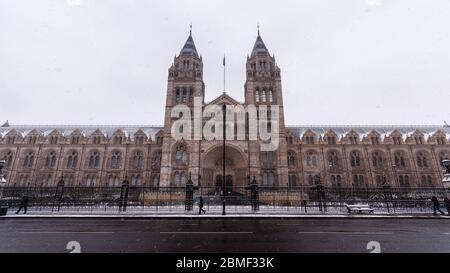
(224, 235)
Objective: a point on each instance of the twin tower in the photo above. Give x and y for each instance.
(201, 159)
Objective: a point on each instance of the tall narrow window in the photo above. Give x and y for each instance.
(47, 180)
(311, 160)
(116, 160)
(184, 95)
(177, 95)
(113, 181)
(263, 97)
(271, 179)
(267, 156)
(291, 160)
(191, 94)
(50, 160)
(135, 180)
(29, 160)
(72, 160)
(270, 96)
(358, 181)
(422, 160)
(138, 160)
(178, 179)
(257, 95)
(94, 160)
(292, 181)
(8, 157)
(155, 180)
(399, 159)
(377, 160)
(333, 159)
(91, 180)
(355, 159)
(181, 155)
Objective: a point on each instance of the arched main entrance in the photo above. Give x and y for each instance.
(235, 169)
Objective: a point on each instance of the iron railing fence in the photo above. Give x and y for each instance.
(239, 199)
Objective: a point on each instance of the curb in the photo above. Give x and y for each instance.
(237, 216)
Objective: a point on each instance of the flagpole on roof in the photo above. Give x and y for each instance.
(224, 73)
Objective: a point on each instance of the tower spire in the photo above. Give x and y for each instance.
(189, 46)
(259, 47)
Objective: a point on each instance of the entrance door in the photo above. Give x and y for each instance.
(229, 184)
(219, 183)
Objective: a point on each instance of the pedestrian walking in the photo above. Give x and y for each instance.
(447, 204)
(436, 206)
(200, 206)
(23, 205)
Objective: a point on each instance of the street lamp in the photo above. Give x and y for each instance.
(340, 193)
(224, 110)
(386, 187)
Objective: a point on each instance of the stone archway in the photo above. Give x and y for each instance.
(235, 168)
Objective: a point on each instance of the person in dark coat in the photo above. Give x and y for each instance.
(436, 206)
(23, 205)
(447, 204)
(200, 206)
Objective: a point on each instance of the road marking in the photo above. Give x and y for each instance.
(206, 232)
(57, 232)
(345, 232)
(446, 233)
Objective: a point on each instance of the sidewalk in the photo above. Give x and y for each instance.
(216, 212)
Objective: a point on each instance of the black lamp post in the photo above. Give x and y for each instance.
(59, 192)
(386, 192)
(340, 193)
(224, 110)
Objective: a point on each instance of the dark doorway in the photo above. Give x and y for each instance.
(219, 183)
(228, 184)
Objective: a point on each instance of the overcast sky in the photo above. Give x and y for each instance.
(343, 62)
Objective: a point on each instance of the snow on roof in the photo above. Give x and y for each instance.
(151, 131)
(86, 130)
(365, 130)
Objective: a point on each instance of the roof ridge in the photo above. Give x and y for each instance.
(367, 126)
(80, 126)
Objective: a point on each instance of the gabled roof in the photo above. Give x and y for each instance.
(224, 98)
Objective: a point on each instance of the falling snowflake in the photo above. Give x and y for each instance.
(374, 2)
(73, 2)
